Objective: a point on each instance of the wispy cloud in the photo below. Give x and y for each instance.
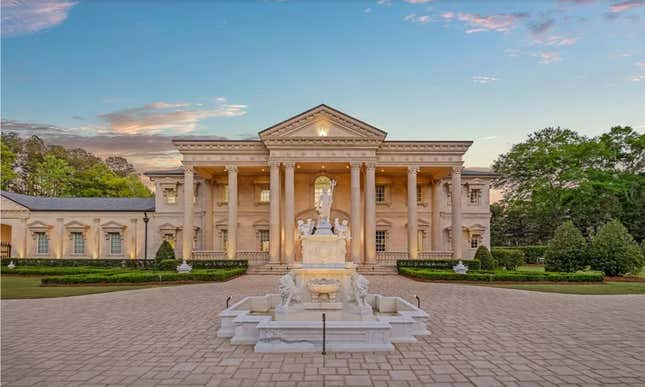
(548, 57)
(540, 28)
(367, 10)
(555, 41)
(161, 117)
(418, 1)
(626, 5)
(502, 22)
(22, 17)
(640, 64)
(484, 79)
(384, 2)
(638, 78)
(418, 19)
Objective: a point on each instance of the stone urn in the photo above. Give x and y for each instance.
(323, 287)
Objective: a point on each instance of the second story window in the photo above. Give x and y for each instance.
(380, 193)
(78, 243)
(171, 195)
(475, 196)
(265, 193)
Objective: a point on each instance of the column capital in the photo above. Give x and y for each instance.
(370, 165)
(457, 170)
(413, 169)
(355, 164)
(274, 164)
(289, 164)
(189, 169)
(231, 168)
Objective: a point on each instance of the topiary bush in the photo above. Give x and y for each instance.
(511, 259)
(165, 252)
(485, 258)
(614, 251)
(168, 264)
(567, 250)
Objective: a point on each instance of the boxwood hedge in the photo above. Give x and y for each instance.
(55, 270)
(145, 276)
(131, 263)
(500, 275)
(446, 264)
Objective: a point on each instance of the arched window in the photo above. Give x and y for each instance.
(321, 183)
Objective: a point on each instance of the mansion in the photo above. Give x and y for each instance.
(243, 199)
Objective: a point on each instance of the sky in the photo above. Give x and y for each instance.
(123, 77)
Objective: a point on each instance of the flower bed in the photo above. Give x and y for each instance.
(500, 275)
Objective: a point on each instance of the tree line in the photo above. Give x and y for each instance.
(32, 167)
(558, 175)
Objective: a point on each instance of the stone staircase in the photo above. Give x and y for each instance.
(281, 269)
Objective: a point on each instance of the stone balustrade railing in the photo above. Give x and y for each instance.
(389, 258)
(435, 255)
(253, 257)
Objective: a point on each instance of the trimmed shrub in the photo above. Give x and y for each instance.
(473, 264)
(503, 275)
(165, 252)
(54, 270)
(483, 255)
(567, 250)
(168, 264)
(511, 259)
(145, 276)
(221, 263)
(614, 251)
(116, 263)
(532, 254)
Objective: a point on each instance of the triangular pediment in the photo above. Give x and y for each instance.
(75, 225)
(322, 122)
(38, 225)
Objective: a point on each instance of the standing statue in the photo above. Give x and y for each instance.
(310, 226)
(304, 229)
(324, 202)
(287, 288)
(359, 288)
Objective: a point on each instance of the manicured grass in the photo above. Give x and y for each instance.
(603, 288)
(642, 273)
(536, 268)
(18, 287)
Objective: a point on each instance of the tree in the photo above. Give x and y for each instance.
(567, 250)
(614, 251)
(7, 158)
(53, 177)
(164, 252)
(119, 166)
(485, 258)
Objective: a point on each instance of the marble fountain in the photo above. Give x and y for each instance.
(291, 320)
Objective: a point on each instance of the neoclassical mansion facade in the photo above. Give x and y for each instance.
(242, 199)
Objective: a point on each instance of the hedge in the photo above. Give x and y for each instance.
(145, 276)
(511, 259)
(472, 264)
(489, 276)
(532, 253)
(55, 270)
(131, 263)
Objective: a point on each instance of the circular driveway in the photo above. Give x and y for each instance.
(480, 336)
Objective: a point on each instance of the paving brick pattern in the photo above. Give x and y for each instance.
(480, 336)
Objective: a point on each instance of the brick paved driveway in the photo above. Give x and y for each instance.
(480, 336)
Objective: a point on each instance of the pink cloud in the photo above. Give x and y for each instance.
(418, 1)
(22, 17)
(497, 22)
(419, 19)
(556, 41)
(548, 57)
(626, 5)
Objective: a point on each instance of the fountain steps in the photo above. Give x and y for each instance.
(281, 269)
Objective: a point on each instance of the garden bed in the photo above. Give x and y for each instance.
(505, 276)
(140, 276)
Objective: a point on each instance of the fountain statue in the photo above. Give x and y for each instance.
(324, 282)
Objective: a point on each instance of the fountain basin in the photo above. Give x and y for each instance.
(323, 286)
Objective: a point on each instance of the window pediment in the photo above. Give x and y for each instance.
(75, 226)
(38, 226)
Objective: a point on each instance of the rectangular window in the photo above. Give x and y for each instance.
(263, 235)
(115, 243)
(78, 243)
(171, 195)
(420, 196)
(381, 240)
(265, 193)
(42, 243)
(380, 193)
(475, 196)
(224, 239)
(474, 241)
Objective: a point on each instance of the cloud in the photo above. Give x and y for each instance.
(548, 57)
(484, 79)
(502, 22)
(384, 2)
(512, 52)
(22, 17)
(418, 19)
(638, 78)
(640, 64)
(626, 5)
(418, 1)
(540, 28)
(576, 2)
(158, 117)
(368, 10)
(556, 41)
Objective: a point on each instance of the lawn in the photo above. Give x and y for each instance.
(16, 287)
(603, 288)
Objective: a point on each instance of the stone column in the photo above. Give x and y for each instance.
(189, 193)
(413, 248)
(436, 215)
(207, 219)
(289, 222)
(457, 235)
(274, 212)
(370, 213)
(60, 252)
(232, 211)
(356, 212)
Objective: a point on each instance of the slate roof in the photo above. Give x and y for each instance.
(165, 172)
(40, 203)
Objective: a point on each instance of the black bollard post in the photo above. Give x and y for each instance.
(227, 301)
(324, 333)
(418, 301)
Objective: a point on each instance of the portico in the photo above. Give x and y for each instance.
(401, 198)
